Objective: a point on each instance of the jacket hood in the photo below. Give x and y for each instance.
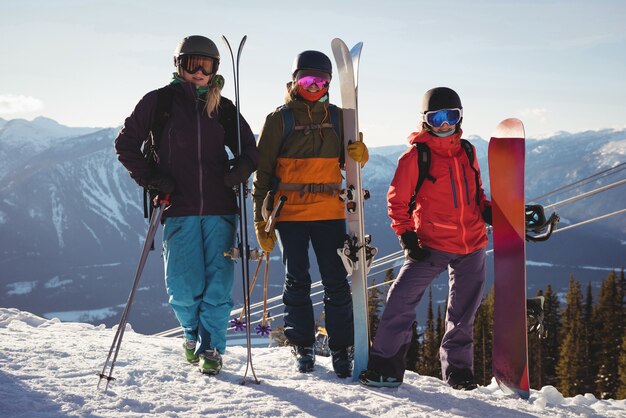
(448, 146)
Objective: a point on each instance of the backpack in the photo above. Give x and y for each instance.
(227, 117)
(423, 165)
(289, 125)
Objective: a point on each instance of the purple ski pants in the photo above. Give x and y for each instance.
(393, 337)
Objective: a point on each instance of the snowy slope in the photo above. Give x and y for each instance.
(48, 369)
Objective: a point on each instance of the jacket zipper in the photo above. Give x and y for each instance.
(454, 201)
(467, 196)
(462, 214)
(199, 137)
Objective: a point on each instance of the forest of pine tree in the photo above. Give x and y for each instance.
(584, 349)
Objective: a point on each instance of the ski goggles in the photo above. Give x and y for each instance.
(307, 81)
(436, 118)
(194, 63)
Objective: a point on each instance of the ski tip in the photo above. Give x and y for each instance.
(509, 128)
(338, 41)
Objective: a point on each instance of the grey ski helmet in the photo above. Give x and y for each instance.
(198, 45)
(440, 98)
(312, 60)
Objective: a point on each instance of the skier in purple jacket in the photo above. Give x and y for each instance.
(192, 165)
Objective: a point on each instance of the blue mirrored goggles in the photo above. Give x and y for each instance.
(436, 118)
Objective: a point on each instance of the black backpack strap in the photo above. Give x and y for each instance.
(289, 122)
(335, 121)
(423, 166)
(469, 150)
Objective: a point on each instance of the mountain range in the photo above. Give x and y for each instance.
(72, 226)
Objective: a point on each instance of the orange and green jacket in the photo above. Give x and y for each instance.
(305, 157)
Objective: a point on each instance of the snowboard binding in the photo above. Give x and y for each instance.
(538, 228)
(534, 311)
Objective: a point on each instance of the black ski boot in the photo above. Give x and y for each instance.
(462, 379)
(342, 361)
(305, 358)
(534, 310)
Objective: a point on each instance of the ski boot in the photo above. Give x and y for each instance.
(534, 310)
(210, 362)
(342, 361)
(375, 379)
(305, 358)
(189, 346)
(462, 379)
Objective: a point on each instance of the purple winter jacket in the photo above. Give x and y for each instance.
(191, 150)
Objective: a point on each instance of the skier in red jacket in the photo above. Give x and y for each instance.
(443, 229)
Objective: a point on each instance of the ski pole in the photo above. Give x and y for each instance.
(119, 334)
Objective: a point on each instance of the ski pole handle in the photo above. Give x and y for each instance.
(271, 221)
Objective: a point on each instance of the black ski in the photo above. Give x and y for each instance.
(242, 250)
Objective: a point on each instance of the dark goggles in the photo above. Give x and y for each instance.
(194, 63)
(436, 118)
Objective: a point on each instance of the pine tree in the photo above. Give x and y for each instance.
(412, 355)
(621, 370)
(570, 368)
(429, 364)
(440, 327)
(483, 340)
(374, 307)
(535, 358)
(590, 369)
(551, 344)
(608, 332)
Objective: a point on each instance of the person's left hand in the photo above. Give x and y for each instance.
(358, 151)
(238, 174)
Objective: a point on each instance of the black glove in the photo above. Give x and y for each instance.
(487, 217)
(412, 249)
(160, 184)
(238, 173)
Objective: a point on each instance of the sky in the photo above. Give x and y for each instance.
(558, 65)
(57, 377)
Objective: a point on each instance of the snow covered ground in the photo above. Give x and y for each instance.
(48, 369)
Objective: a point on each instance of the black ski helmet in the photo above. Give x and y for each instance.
(440, 98)
(312, 60)
(198, 45)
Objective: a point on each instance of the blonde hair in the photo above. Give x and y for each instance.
(213, 96)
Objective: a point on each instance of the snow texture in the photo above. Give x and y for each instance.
(48, 369)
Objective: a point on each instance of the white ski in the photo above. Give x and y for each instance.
(356, 254)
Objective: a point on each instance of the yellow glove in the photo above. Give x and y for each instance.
(266, 241)
(358, 151)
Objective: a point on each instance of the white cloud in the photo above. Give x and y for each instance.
(17, 103)
(538, 113)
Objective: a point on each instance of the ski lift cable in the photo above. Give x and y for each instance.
(604, 173)
(585, 195)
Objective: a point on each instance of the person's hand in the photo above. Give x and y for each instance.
(487, 215)
(358, 151)
(266, 240)
(160, 184)
(411, 247)
(238, 174)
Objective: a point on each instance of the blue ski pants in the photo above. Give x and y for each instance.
(393, 337)
(326, 237)
(198, 277)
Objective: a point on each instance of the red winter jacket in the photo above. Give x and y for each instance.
(446, 216)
